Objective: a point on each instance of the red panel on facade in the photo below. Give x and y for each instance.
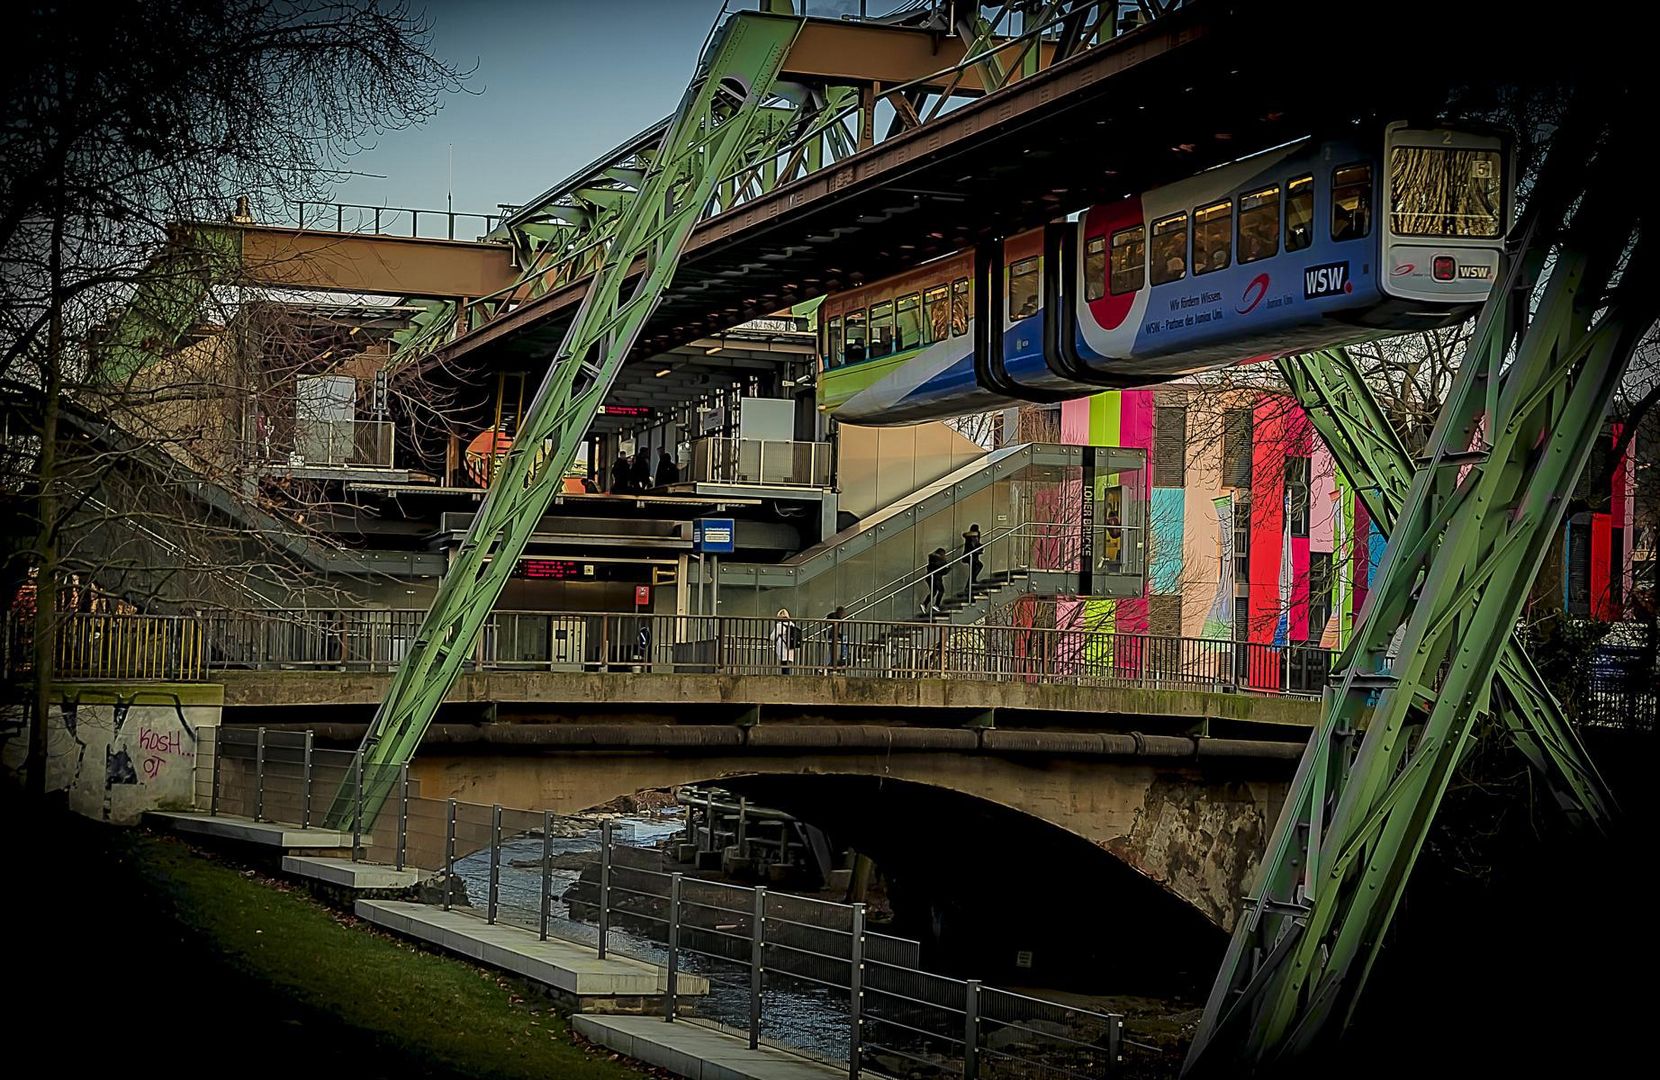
(1602, 600)
(1299, 588)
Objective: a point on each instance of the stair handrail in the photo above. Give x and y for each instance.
(918, 575)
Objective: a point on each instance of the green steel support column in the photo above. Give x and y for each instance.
(1342, 409)
(707, 138)
(1471, 532)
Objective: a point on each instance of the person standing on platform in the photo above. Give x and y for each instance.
(971, 554)
(641, 474)
(786, 639)
(668, 473)
(622, 474)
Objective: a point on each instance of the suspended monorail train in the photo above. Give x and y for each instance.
(1318, 243)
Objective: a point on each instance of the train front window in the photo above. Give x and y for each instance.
(1442, 191)
(1023, 289)
(855, 336)
(1351, 202)
(1259, 224)
(1095, 268)
(908, 330)
(1299, 213)
(1129, 259)
(833, 342)
(1169, 249)
(1212, 237)
(936, 314)
(959, 307)
(881, 328)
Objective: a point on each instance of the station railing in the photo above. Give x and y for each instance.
(362, 443)
(365, 640)
(777, 968)
(389, 220)
(761, 462)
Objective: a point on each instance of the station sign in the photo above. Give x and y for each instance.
(642, 596)
(713, 536)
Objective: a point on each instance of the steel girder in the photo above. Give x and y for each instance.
(1471, 532)
(716, 122)
(1365, 446)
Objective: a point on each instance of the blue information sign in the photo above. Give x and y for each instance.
(712, 536)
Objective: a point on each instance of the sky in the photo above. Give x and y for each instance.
(554, 85)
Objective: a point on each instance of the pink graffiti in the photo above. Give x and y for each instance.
(159, 742)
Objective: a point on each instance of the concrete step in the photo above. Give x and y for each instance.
(698, 1052)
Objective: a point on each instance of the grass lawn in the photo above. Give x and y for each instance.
(261, 973)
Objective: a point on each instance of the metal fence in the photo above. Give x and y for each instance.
(777, 968)
(747, 645)
(770, 462)
(90, 645)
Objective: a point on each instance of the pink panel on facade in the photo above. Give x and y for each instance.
(1075, 422)
(1362, 564)
(1136, 430)
(1299, 588)
(1323, 509)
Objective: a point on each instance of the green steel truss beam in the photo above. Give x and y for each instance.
(717, 121)
(1468, 540)
(1342, 409)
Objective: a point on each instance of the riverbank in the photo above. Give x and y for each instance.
(178, 955)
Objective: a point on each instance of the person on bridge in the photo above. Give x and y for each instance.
(838, 638)
(668, 473)
(786, 639)
(937, 566)
(971, 553)
(621, 474)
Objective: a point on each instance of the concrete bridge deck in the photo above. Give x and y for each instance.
(256, 696)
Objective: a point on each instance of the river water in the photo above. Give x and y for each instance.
(807, 1018)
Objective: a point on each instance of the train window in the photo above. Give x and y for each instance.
(1095, 268)
(1438, 191)
(1023, 289)
(1129, 259)
(908, 326)
(1169, 245)
(1213, 237)
(881, 328)
(1351, 202)
(834, 344)
(855, 336)
(1259, 224)
(1299, 213)
(959, 307)
(936, 314)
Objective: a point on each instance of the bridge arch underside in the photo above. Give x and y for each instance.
(1124, 866)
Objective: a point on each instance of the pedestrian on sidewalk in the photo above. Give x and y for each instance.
(786, 639)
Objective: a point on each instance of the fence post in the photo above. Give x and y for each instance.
(971, 1029)
(305, 807)
(403, 813)
(547, 876)
(357, 804)
(218, 748)
(757, 944)
(259, 776)
(945, 638)
(674, 947)
(856, 992)
(449, 853)
(604, 884)
(495, 863)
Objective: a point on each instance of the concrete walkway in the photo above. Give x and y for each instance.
(348, 874)
(248, 831)
(697, 1052)
(571, 970)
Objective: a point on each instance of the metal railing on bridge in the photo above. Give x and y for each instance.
(778, 968)
(96, 645)
(366, 640)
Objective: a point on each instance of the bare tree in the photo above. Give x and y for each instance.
(119, 133)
